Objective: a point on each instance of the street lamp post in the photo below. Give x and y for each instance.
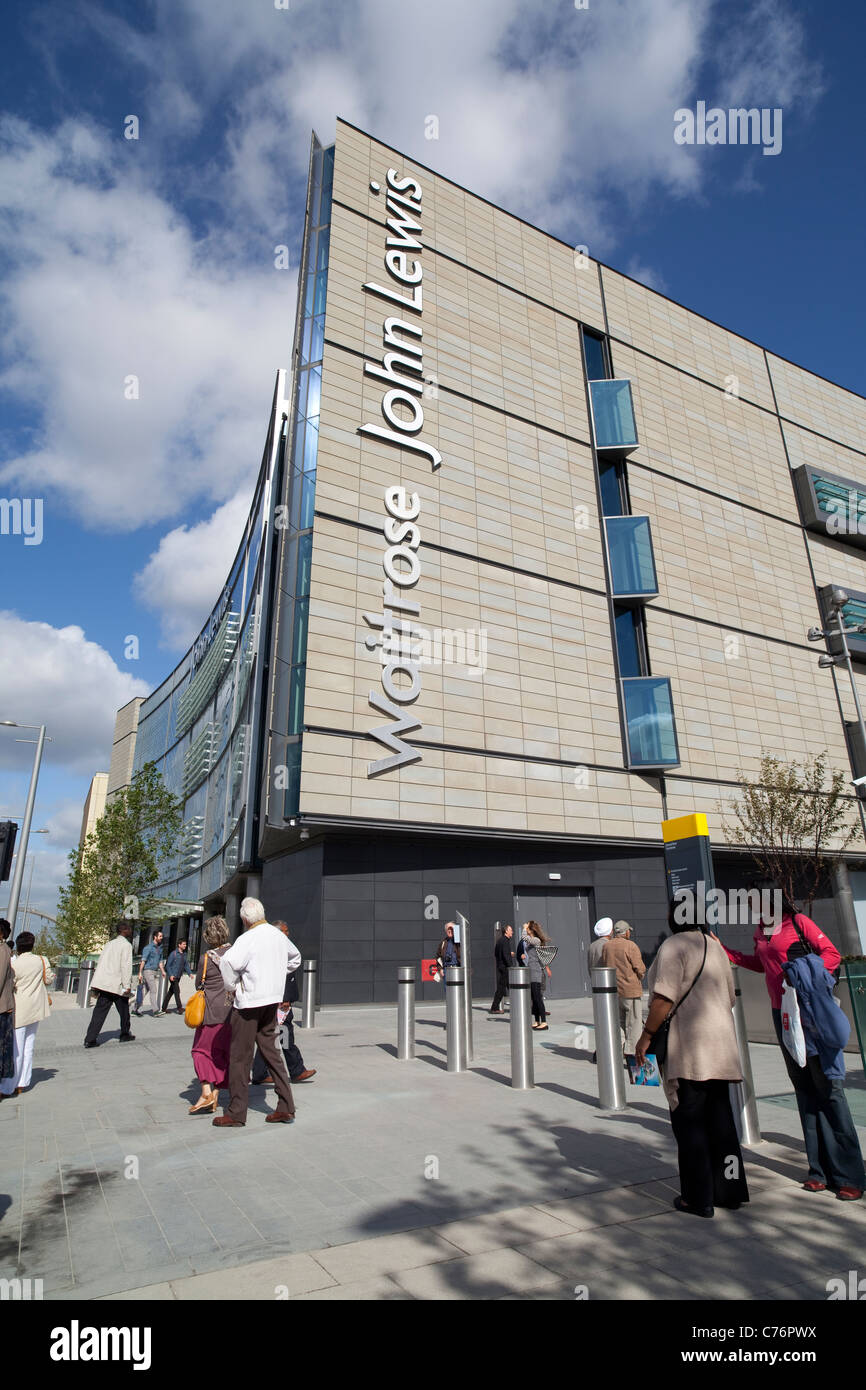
(30, 882)
(18, 874)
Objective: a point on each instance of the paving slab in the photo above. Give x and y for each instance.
(380, 1290)
(386, 1255)
(272, 1279)
(500, 1229)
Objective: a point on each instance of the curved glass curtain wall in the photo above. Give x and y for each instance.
(195, 727)
(305, 444)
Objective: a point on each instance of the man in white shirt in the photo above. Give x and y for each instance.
(112, 980)
(255, 968)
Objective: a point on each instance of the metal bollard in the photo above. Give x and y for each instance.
(405, 1012)
(745, 1105)
(71, 983)
(466, 961)
(455, 1016)
(608, 1041)
(161, 991)
(522, 1056)
(84, 980)
(308, 993)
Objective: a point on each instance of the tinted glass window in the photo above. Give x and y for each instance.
(628, 641)
(596, 357)
(611, 494)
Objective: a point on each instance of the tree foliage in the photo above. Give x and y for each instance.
(794, 820)
(123, 857)
(47, 945)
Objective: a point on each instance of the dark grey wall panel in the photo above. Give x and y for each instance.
(358, 903)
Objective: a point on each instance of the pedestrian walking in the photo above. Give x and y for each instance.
(622, 955)
(603, 929)
(691, 984)
(503, 958)
(32, 1003)
(546, 954)
(449, 951)
(832, 1147)
(532, 937)
(176, 967)
(7, 1009)
(255, 967)
(150, 968)
(298, 1070)
(211, 1044)
(112, 981)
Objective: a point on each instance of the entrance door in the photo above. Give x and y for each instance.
(566, 914)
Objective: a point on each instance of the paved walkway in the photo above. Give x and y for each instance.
(397, 1180)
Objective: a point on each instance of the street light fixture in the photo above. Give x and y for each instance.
(18, 875)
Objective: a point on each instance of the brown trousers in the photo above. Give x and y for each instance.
(251, 1026)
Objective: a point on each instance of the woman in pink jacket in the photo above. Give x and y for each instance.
(832, 1146)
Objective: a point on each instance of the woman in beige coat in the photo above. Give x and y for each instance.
(31, 1006)
(691, 979)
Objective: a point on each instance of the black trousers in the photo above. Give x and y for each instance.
(710, 1160)
(501, 987)
(173, 989)
(104, 1001)
(538, 1010)
(291, 1052)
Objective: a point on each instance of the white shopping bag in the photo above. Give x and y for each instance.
(792, 1028)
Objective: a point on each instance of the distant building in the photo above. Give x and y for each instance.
(123, 747)
(94, 805)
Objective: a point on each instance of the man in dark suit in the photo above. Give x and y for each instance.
(503, 955)
(176, 967)
(292, 1053)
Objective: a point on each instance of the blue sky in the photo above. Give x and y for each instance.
(154, 258)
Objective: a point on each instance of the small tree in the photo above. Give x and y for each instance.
(47, 945)
(122, 857)
(793, 820)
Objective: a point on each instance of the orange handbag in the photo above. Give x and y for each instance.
(193, 1014)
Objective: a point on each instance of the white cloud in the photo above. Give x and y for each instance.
(55, 676)
(546, 109)
(183, 578)
(109, 283)
(646, 274)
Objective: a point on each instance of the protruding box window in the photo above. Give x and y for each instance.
(650, 724)
(630, 551)
(613, 415)
(831, 505)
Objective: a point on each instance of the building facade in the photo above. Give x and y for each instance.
(94, 804)
(530, 569)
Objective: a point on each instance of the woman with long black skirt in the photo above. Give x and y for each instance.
(690, 979)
